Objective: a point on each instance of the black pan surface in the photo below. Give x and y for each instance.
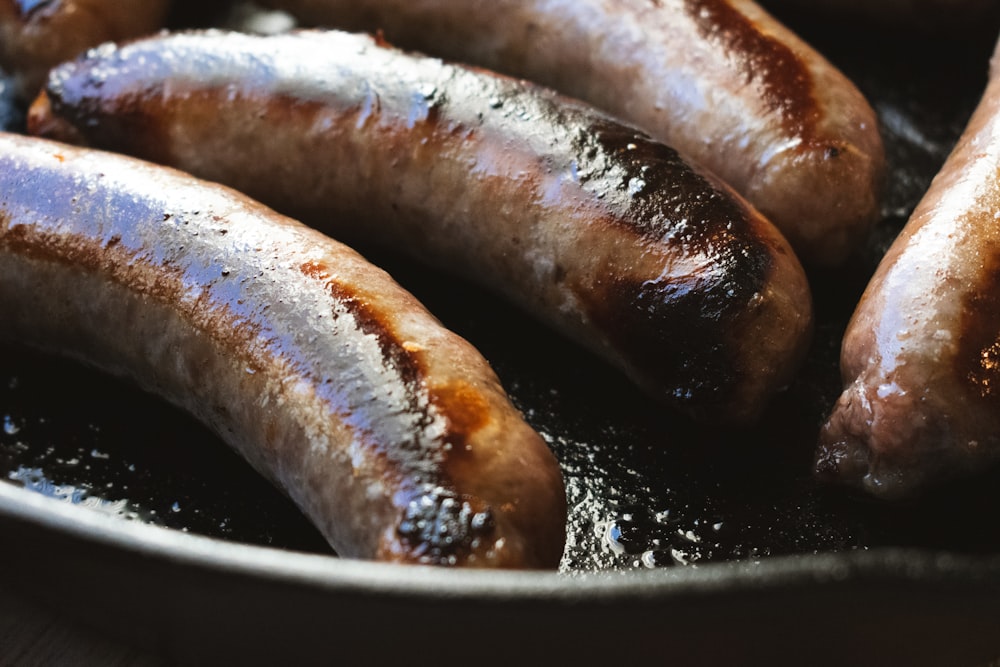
(684, 543)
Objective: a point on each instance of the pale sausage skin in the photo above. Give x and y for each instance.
(36, 35)
(607, 235)
(719, 80)
(390, 432)
(921, 355)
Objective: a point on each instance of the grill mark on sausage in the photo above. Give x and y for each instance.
(977, 359)
(439, 525)
(764, 62)
(658, 195)
(458, 402)
(681, 327)
(126, 266)
(411, 371)
(466, 411)
(121, 265)
(641, 317)
(79, 107)
(406, 367)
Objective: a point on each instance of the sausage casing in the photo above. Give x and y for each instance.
(921, 355)
(597, 229)
(720, 80)
(390, 432)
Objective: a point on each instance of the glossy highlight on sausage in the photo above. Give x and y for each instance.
(720, 80)
(921, 355)
(390, 432)
(36, 35)
(589, 224)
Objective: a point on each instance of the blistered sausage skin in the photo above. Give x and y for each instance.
(390, 432)
(719, 80)
(589, 224)
(921, 356)
(36, 35)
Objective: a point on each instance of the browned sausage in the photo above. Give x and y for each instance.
(719, 80)
(391, 433)
(591, 225)
(921, 356)
(36, 35)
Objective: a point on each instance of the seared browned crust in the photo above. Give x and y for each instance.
(591, 225)
(719, 80)
(391, 433)
(36, 35)
(921, 356)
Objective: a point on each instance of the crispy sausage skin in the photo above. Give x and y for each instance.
(921, 356)
(36, 35)
(589, 224)
(390, 432)
(719, 80)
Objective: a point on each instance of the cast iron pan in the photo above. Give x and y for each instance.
(685, 544)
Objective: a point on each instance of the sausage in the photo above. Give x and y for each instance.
(390, 432)
(36, 35)
(605, 234)
(921, 355)
(719, 80)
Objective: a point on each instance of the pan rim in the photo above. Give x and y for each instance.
(330, 574)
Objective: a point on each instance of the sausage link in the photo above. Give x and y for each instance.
(589, 224)
(719, 80)
(391, 433)
(921, 355)
(36, 35)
